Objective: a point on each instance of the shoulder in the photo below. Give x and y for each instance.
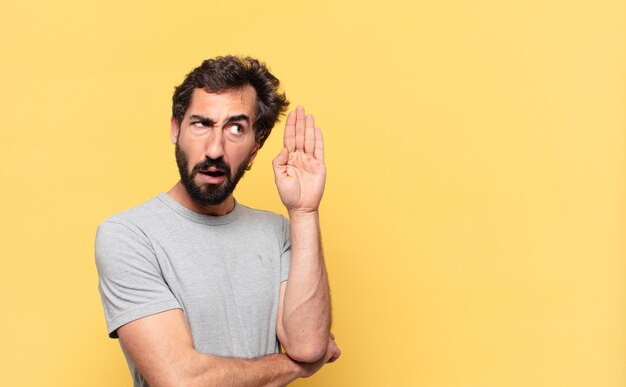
(144, 213)
(129, 227)
(265, 221)
(147, 218)
(267, 225)
(262, 216)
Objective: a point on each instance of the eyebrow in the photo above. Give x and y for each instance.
(209, 122)
(205, 120)
(240, 117)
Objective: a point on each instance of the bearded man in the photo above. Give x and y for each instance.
(202, 290)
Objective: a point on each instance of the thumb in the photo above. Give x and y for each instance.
(281, 159)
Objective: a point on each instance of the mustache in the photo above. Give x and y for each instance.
(208, 163)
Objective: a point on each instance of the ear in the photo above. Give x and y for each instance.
(255, 150)
(174, 130)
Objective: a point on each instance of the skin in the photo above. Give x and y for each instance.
(200, 140)
(304, 311)
(161, 345)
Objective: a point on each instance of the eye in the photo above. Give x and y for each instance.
(235, 129)
(199, 124)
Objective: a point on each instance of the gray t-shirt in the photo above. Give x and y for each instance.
(224, 272)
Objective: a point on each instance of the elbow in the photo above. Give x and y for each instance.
(309, 352)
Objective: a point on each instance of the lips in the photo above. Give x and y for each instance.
(212, 176)
(212, 172)
(216, 173)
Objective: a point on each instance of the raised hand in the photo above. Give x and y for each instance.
(299, 169)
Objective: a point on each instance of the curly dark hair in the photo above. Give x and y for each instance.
(233, 72)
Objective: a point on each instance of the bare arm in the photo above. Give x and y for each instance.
(303, 323)
(162, 348)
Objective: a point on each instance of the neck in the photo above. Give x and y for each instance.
(179, 193)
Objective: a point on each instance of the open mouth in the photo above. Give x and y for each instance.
(212, 173)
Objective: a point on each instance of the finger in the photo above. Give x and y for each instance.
(309, 134)
(335, 356)
(319, 145)
(290, 132)
(300, 128)
(332, 335)
(281, 160)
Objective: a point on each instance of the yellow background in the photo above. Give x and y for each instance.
(474, 214)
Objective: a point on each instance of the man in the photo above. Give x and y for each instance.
(201, 290)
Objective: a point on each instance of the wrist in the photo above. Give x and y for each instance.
(303, 214)
(295, 369)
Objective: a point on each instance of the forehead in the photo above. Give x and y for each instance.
(223, 104)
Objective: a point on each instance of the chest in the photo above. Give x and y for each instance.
(228, 285)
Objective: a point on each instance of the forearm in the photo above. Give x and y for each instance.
(300, 175)
(162, 349)
(271, 370)
(199, 370)
(306, 314)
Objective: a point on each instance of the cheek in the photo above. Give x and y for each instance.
(239, 154)
(194, 151)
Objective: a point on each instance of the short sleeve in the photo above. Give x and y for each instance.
(285, 256)
(131, 285)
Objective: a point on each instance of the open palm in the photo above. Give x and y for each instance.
(299, 169)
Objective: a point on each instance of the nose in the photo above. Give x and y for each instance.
(215, 144)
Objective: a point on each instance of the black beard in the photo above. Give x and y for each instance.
(211, 194)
